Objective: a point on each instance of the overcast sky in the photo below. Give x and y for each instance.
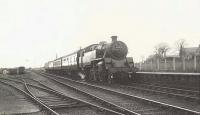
(33, 31)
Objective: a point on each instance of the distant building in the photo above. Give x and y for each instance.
(173, 53)
(190, 52)
(185, 60)
(170, 54)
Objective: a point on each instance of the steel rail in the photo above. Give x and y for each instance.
(177, 108)
(192, 98)
(108, 111)
(33, 98)
(168, 73)
(114, 106)
(171, 88)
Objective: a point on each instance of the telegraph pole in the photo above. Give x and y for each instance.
(56, 55)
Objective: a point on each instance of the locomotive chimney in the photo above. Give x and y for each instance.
(114, 38)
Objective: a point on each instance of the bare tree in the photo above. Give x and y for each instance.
(161, 49)
(142, 57)
(180, 44)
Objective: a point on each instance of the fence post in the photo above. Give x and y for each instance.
(158, 66)
(183, 63)
(174, 63)
(165, 64)
(151, 65)
(140, 66)
(195, 62)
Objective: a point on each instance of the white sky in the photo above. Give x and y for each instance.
(33, 31)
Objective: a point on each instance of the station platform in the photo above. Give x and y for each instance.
(170, 73)
(188, 81)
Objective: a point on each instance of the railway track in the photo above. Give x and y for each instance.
(131, 103)
(35, 100)
(170, 98)
(57, 100)
(100, 102)
(52, 100)
(13, 102)
(191, 95)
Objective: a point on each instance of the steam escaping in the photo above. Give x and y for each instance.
(81, 75)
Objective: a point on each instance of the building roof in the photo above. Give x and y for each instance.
(191, 51)
(173, 53)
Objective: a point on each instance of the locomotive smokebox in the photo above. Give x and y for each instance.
(114, 38)
(116, 49)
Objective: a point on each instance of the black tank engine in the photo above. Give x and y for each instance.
(106, 62)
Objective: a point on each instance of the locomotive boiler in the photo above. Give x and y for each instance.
(105, 62)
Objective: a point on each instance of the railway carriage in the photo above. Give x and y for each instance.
(16, 70)
(105, 62)
(69, 63)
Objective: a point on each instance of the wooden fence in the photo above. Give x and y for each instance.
(171, 64)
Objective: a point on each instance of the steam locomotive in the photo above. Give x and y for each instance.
(106, 62)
